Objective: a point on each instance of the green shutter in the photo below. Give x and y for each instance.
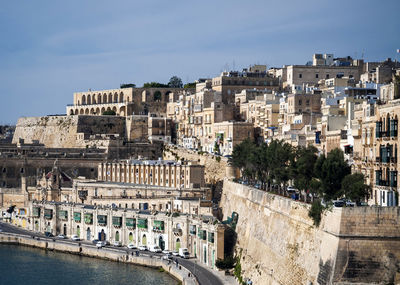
(158, 225)
(142, 223)
(36, 212)
(77, 217)
(102, 220)
(117, 221)
(88, 218)
(211, 237)
(130, 222)
(48, 213)
(63, 215)
(192, 230)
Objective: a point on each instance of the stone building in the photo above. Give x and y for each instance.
(229, 134)
(123, 101)
(181, 175)
(202, 235)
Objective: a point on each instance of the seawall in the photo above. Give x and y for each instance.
(108, 254)
(279, 244)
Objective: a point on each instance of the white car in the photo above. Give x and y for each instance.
(75, 238)
(100, 244)
(117, 243)
(155, 248)
(166, 251)
(142, 247)
(61, 236)
(175, 253)
(131, 246)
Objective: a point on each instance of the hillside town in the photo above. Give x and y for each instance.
(151, 166)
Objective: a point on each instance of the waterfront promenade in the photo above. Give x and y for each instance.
(184, 270)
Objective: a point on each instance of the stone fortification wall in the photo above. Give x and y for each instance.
(279, 244)
(214, 170)
(62, 131)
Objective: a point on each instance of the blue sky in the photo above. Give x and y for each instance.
(50, 49)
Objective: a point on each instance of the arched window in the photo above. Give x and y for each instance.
(83, 100)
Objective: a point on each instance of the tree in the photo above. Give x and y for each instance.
(127, 85)
(333, 170)
(243, 157)
(175, 82)
(157, 96)
(354, 188)
(109, 113)
(304, 168)
(190, 85)
(154, 85)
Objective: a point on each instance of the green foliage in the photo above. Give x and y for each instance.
(175, 82)
(127, 85)
(154, 85)
(161, 269)
(109, 113)
(190, 85)
(316, 211)
(226, 263)
(157, 96)
(334, 169)
(354, 188)
(218, 158)
(304, 168)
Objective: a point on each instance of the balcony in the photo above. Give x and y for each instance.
(177, 232)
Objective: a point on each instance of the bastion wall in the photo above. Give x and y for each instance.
(279, 244)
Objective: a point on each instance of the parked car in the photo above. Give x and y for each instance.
(167, 251)
(175, 253)
(100, 244)
(131, 246)
(350, 204)
(154, 248)
(142, 247)
(117, 243)
(291, 189)
(75, 238)
(48, 234)
(184, 253)
(338, 203)
(61, 236)
(167, 256)
(95, 241)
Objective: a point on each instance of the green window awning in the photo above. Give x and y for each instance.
(88, 218)
(117, 221)
(77, 217)
(36, 212)
(102, 220)
(48, 213)
(63, 215)
(158, 225)
(142, 223)
(130, 222)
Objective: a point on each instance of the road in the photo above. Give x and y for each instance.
(204, 276)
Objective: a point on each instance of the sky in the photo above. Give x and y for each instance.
(50, 49)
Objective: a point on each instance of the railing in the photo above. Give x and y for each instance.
(91, 104)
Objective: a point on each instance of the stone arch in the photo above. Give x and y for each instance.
(166, 96)
(83, 99)
(122, 111)
(94, 99)
(144, 239)
(115, 97)
(99, 98)
(78, 231)
(98, 111)
(104, 98)
(108, 109)
(102, 110)
(89, 99)
(71, 112)
(79, 102)
(157, 96)
(76, 112)
(177, 244)
(114, 109)
(130, 237)
(91, 111)
(109, 98)
(82, 111)
(87, 111)
(121, 97)
(117, 236)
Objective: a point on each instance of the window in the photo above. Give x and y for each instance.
(300, 75)
(316, 75)
(307, 102)
(300, 102)
(327, 76)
